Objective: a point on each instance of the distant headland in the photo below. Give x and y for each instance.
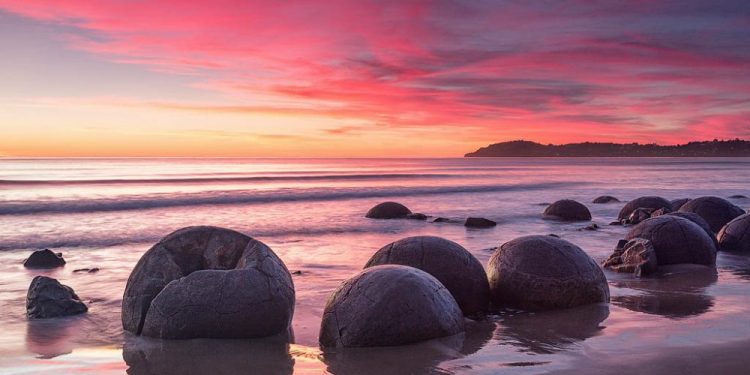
(715, 148)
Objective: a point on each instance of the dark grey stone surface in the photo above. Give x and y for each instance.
(637, 256)
(450, 263)
(47, 298)
(735, 236)
(676, 240)
(605, 199)
(544, 273)
(208, 282)
(44, 259)
(389, 305)
(697, 219)
(388, 210)
(716, 211)
(677, 203)
(479, 222)
(652, 202)
(567, 210)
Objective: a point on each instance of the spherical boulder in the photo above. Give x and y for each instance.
(677, 203)
(388, 210)
(676, 240)
(208, 282)
(649, 202)
(458, 270)
(47, 298)
(544, 273)
(567, 210)
(479, 222)
(603, 199)
(697, 219)
(735, 236)
(389, 305)
(44, 259)
(716, 211)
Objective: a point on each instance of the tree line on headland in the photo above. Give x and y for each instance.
(521, 148)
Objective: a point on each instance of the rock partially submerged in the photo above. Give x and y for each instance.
(388, 210)
(677, 203)
(479, 222)
(44, 259)
(389, 305)
(208, 282)
(416, 216)
(695, 218)
(676, 240)
(716, 211)
(47, 298)
(636, 256)
(650, 202)
(458, 270)
(567, 210)
(735, 236)
(544, 273)
(603, 199)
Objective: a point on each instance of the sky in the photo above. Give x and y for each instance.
(381, 78)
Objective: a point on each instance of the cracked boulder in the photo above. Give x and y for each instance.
(567, 210)
(735, 236)
(47, 298)
(389, 305)
(208, 282)
(458, 270)
(676, 240)
(650, 203)
(716, 211)
(697, 219)
(544, 273)
(388, 210)
(637, 257)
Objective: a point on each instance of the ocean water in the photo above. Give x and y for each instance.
(106, 213)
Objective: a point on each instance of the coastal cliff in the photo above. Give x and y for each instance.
(521, 148)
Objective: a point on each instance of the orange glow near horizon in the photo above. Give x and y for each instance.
(382, 78)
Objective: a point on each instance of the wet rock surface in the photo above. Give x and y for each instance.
(47, 298)
(450, 263)
(388, 210)
(636, 256)
(695, 218)
(416, 216)
(649, 202)
(641, 214)
(567, 210)
(716, 211)
(676, 240)
(544, 273)
(479, 222)
(389, 305)
(677, 203)
(44, 259)
(603, 199)
(735, 236)
(208, 282)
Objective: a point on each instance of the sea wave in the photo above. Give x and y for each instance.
(141, 202)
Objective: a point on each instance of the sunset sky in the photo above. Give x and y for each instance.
(365, 78)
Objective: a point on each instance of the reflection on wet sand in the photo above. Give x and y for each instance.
(50, 338)
(737, 264)
(208, 356)
(420, 358)
(676, 292)
(551, 331)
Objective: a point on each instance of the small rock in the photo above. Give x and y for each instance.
(89, 270)
(388, 210)
(44, 259)
(590, 227)
(47, 298)
(615, 223)
(637, 256)
(297, 273)
(737, 196)
(639, 215)
(441, 220)
(416, 216)
(479, 222)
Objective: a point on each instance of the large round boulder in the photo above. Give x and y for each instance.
(676, 240)
(567, 210)
(389, 305)
(735, 236)
(458, 270)
(716, 211)
(603, 199)
(650, 203)
(388, 210)
(208, 282)
(544, 273)
(697, 219)
(47, 298)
